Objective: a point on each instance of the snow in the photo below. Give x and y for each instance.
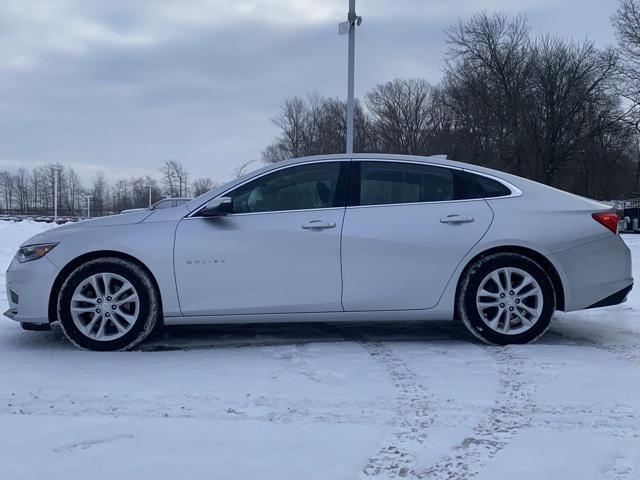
(319, 401)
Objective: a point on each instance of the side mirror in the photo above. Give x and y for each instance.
(218, 207)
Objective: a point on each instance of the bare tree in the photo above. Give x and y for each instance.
(71, 191)
(121, 195)
(175, 179)
(570, 103)
(201, 185)
(22, 190)
(626, 22)
(7, 187)
(242, 169)
(494, 49)
(169, 179)
(403, 114)
(316, 125)
(291, 122)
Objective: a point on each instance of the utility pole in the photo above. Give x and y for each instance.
(56, 174)
(349, 27)
(149, 195)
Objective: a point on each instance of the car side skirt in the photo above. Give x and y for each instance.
(369, 316)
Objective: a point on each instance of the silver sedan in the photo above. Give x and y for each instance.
(330, 238)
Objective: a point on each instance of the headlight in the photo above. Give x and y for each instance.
(34, 252)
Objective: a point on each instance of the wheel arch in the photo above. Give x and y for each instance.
(85, 257)
(537, 257)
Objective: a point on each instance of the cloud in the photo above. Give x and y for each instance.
(33, 29)
(296, 13)
(124, 85)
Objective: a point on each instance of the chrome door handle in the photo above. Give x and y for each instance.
(456, 219)
(318, 225)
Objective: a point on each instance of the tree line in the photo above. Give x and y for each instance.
(558, 111)
(31, 192)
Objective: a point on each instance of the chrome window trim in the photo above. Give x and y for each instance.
(194, 214)
(267, 213)
(515, 191)
(480, 199)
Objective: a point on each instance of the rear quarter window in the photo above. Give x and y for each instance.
(478, 186)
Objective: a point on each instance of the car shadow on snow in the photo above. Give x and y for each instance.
(562, 332)
(173, 337)
(274, 334)
(271, 334)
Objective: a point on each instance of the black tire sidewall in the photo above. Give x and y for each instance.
(147, 317)
(471, 282)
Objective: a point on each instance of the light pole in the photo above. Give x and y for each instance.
(349, 27)
(56, 174)
(88, 197)
(149, 195)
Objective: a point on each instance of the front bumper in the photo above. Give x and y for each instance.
(28, 289)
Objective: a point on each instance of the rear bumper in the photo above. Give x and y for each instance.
(614, 299)
(595, 273)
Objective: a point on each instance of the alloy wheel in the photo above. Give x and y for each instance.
(509, 300)
(105, 306)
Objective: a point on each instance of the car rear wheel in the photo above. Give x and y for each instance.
(506, 298)
(108, 304)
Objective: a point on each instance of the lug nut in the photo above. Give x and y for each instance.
(107, 314)
(99, 300)
(502, 305)
(511, 292)
(113, 307)
(98, 310)
(511, 309)
(517, 301)
(502, 295)
(108, 299)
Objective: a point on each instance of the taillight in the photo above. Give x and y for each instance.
(609, 220)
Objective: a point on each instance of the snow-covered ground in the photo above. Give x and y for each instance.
(318, 401)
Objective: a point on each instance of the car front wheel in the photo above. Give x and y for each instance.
(108, 304)
(506, 298)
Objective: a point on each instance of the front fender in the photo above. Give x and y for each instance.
(150, 243)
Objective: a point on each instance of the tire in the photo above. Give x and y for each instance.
(108, 304)
(506, 287)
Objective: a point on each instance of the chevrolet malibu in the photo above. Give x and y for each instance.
(330, 238)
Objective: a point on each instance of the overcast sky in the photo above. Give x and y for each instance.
(123, 85)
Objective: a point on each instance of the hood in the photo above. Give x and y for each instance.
(58, 233)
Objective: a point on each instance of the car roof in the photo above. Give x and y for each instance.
(439, 159)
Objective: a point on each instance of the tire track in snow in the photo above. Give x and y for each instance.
(630, 352)
(412, 412)
(508, 415)
(84, 444)
(272, 409)
(411, 420)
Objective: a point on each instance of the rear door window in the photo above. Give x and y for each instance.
(385, 183)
